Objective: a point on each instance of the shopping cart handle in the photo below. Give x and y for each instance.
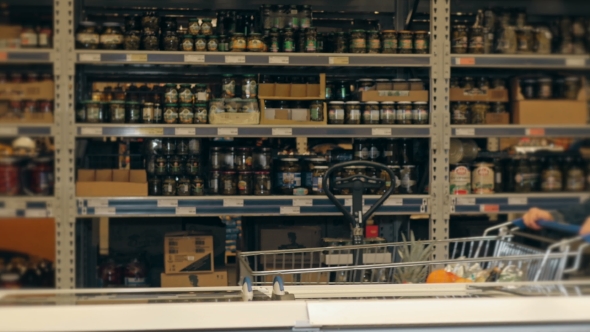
(552, 225)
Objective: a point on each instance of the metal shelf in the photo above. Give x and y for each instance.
(520, 130)
(239, 205)
(27, 207)
(252, 59)
(15, 129)
(521, 61)
(29, 56)
(142, 130)
(507, 203)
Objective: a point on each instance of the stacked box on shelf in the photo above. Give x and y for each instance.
(111, 183)
(412, 90)
(488, 96)
(33, 91)
(233, 231)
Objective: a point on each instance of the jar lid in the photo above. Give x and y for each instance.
(321, 167)
(404, 102)
(207, 20)
(262, 172)
(358, 30)
(201, 84)
(111, 24)
(144, 104)
(414, 80)
(372, 102)
(88, 24)
(186, 85)
(201, 105)
(365, 80)
(255, 34)
(237, 34)
(117, 102)
(388, 31)
(353, 102)
(398, 80)
(201, 36)
(406, 31)
(227, 75)
(186, 105)
(420, 102)
(372, 31)
(188, 36)
(382, 80)
(387, 102)
(289, 159)
(170, 105)
(336, 102)
(249, 75)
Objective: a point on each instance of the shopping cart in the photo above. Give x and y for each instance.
(388, 263)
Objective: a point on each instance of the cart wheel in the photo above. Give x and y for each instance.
(278, 286)
(247, 292)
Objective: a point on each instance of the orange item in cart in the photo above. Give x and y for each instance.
(441, 276)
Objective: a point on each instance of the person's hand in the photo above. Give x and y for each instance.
(585, 227)
(533, 215)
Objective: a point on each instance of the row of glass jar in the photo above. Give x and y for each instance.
(548, 87)
(474, 112)
(173, 146)
(373, 112)
(240, 158)
(20, 107)
(216, 183)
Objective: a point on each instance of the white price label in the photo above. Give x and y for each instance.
(381, 131)
(394, 202)
(12, 130)
(465, 201)
(518, 201)
(104, 211)
(17, 205)
(137, 57)
(85, 57)
(338, 60)
(233, 202)
(575, 62)
(184, 131)
(36, 213)
(194, 58)
(91, 131)
(303, 202)
(290, 210)
(227, 131)
(7, 212)
(348, 202)
(186, 210)
(465, 132)
(235, 59)
(167, 203)
(97, 203)
(282, 131)
(282, 60)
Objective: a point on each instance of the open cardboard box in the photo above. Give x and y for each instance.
(394, 95)
(549, 111)
(213, 279)
(111, 182)
(299, 116)
(234, 118)
(280, 91)
(489, 95)
(23, 91)
(6, 117)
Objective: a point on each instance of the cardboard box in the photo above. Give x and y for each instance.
(23, 91)
(280, 91)
(294, 237)
(213, 279)
(6, 117)
(111, 182)
(497, 118)
(188, 252)
(490, 95)
(234, 118)
(10, 31)
(549, 111)
(295, 116)
(394, 95)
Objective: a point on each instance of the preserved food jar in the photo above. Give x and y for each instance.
(336, 112)
(388, 115)
(482, 178)
(45, 106)
(187, 43)
(278, 17)
(238, 42)
(405, 42)
(191, 166)
(525, 40)
(201, 93)
(160, 167)
(183, 187)
(371, 112)
(228, 86)
(288, 41)
(249, 86)
(476, 41)
(150, 21)
(185, 94)
(403, 113)
(373, 41)
(185, 114)
(365, 84)
(353, 112)
(575, 179)
(288, 176)
(243, 159)
(341, 43)
(245, 183)
(316, 111)
(155, 186)
(421, 112)
(478, 112)
(311, 40)
(305, 17)
(170, 113)
(421, 39)
(572, 87)
(194, 146)
(197, 186)
(94, 111)
(87, 36)
(206, 27)
(157, 113)
(169, 186)
(389, 41)
(29, 37)
(229, 156)
(169, 146)
(317, 177)
(361, 149)
(358, 41)
(132, 40)
(459, 39)
(552, 177)
(545, 90)
(255, 43)
(170, 94)
(214, 182)
(170, 41)
(147, 112)
(150, 41)
(528, 88)
(262, 159)
(223, 44)
(272, 41)
(29, 106)
(45, 34)
(174, 165)
(181, 147)
(408, 180)
(216, 160)
(133, 112)
(201, 43)
(262, 183)
(460, 179)
(228, 183)
(194, 28)
(200, 113)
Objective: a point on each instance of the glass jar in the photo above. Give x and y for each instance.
(212, 43)
(133, 113)
(169, 186)
(150, 41)
(476, 41)
(311, 36)
(170, 94)
(155, 186)
(317, 177)
(201, 43)
(353, 112)
(371, 112)
(216, 106)
(421, 39)
(185, 94)
(572, 87)
(388, 114)
(170, 113)
(157, 113)
(197, 186)
(200, 113)
(94, 111)
(305, 17)
(216, 160)
(160, 167)
(404, 112)
(373, 41)
(249, 86)
(405, 42)
(243, 159)
(525, 40)
(288, 175)
(87, 36)
(147, 112)
(478, 112)
(262, 159)
(421, 112)
(288, 41)
(117, 111)
(111, 37)
(188, 43)
(183, 186)
(358, 41)
(214, 182)
(194, 28)
(206, 27)
(238, 42)
(244, 183)
(389, 41)
(223, 44)
(228, 86)
(227, 181)
(459, 39)
(255, 43)
(45, 106)
(262, 183)
(336, 112)
(316, 111)
(340, 43)
(528, 88)
(266, 16)
(201, 93)
(181, 147)
(192, 165)
(229, 156)
(150, 21)
(545, 90)
(174, 165)
(170, 41)
(185, 114)
(552, 177)
(169, 146)
(272, 40)
(132, 40)
(408, 180)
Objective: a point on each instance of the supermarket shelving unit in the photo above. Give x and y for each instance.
(65, 206)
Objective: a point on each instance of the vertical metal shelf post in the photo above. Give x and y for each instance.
(440, 134)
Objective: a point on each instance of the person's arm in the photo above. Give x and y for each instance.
(577, 215)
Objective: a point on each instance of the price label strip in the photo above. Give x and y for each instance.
(282, 131)
(489, 208)
(186, 210)
(89, 57)
(302, 202)
(290, 210)
(194, 58)
(338, 60)
(91, 131)
(465, 201)
(137, 57)
(227, 131)
(97, 203)
(150, 131)
(184, 131)
(381, 131)
(393, 202)
(36, 213)
(167, 203)
(9, 131)
(465, 132)
(235, 59)
(233, 202)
